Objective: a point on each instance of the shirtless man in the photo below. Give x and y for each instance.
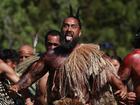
(131, 68)
(78, 73)
(52, 40)
(26, 57)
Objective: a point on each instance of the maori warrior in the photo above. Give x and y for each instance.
(83, 78)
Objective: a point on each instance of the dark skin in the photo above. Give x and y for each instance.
(40, 68)
(54, 59)
(131, 69)
(52, 42)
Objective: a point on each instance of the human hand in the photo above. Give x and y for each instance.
(14, 88)
(122, 94)
(28, 102)
(131, 98)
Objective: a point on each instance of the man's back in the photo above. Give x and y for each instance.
(131, 69)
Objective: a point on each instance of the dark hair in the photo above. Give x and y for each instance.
(53, 33)
(76, 16)
(119, 59)
(9, 54)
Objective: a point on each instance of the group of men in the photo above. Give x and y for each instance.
(27, 56)
(80, 74)
(13, 64)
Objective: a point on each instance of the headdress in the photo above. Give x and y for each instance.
(35, 41)
(71, 14)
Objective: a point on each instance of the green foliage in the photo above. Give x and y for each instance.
(114, 21)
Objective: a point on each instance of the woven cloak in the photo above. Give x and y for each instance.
(84, 76)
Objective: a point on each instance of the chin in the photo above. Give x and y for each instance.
(68, 40)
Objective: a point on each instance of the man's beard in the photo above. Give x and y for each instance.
(67, 46)
(70, 45)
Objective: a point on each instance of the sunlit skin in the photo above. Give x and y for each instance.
(131, 68)
(9, 72)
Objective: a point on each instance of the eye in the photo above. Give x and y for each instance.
(66, 25)
(52, 44)
(74, 25)
(55, 44)
(49, 44)
(24, 56)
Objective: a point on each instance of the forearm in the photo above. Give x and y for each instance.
(25, 82)
(15, 79)
(116, 82)
(36, 71)
(10, 73)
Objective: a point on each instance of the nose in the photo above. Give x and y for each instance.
(22, 59)
(51, 47)
(69, 28)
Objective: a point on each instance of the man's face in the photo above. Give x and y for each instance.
(25, 52)
(71, 29)
(53, 42)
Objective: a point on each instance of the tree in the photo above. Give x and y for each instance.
(114, 21)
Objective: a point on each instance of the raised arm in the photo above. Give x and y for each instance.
(9, 72)
(33, 73)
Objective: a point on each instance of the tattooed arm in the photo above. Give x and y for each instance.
(33, 73)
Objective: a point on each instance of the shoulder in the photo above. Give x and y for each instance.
(94, 46)
(132, 57)
(91, 48)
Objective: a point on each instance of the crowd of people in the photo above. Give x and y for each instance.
(69, 72)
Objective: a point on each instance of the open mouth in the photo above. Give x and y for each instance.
(68, 38)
